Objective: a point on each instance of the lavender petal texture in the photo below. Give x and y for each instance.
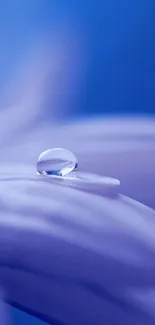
(75, 257)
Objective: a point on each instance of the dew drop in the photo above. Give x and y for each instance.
(57, 161)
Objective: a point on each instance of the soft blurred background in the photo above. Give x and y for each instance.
(66, 60)
(102, 53)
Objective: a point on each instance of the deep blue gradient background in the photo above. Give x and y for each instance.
(120, 38)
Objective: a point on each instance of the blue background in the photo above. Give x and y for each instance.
(120, 37)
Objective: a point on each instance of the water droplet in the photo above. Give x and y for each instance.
(57, 161)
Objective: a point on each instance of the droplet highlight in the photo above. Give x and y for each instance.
(57, 161)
